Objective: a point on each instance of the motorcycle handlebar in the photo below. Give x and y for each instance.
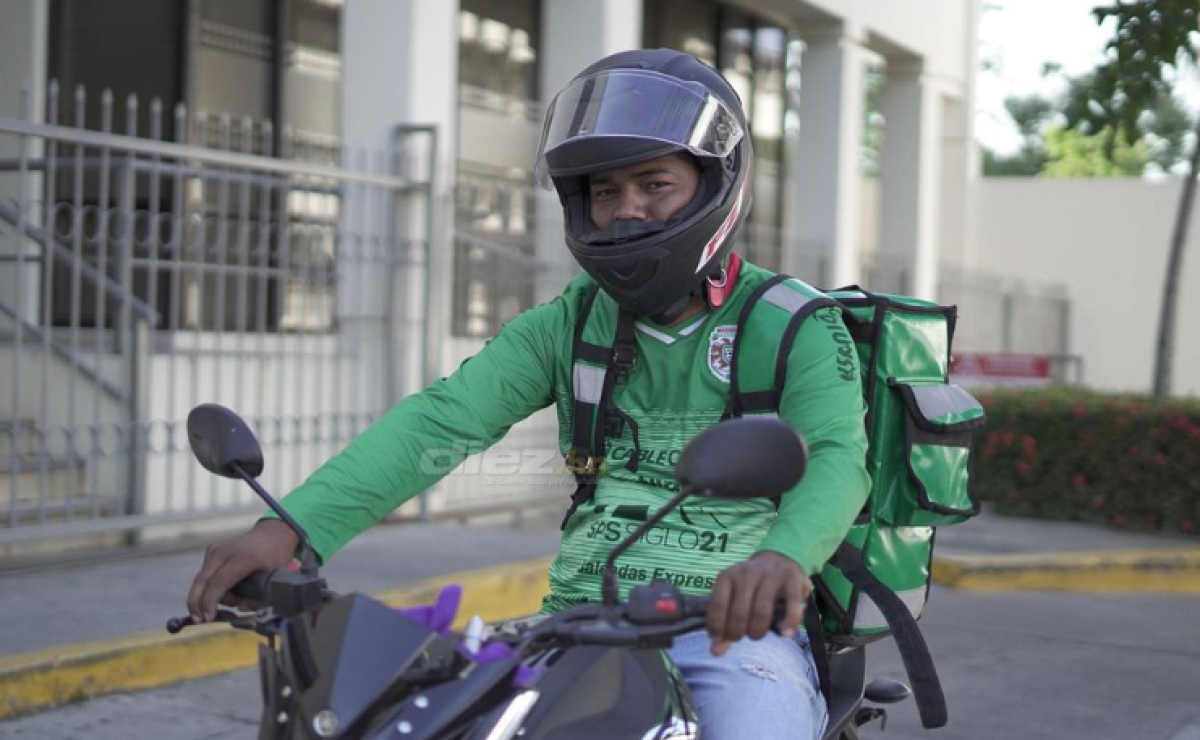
(255, 586)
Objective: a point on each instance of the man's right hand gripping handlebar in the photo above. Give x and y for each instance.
(269, 545)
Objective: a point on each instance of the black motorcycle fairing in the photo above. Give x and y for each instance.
(344, 654)
(451, 709)
(601, 693)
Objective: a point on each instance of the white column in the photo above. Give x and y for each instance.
(399, 66)
(575, 34)
(824, 211)
(960, 156)
(910, 176)
(23, 43)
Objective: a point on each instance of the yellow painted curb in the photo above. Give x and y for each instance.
(37, 681)
(1163, 571)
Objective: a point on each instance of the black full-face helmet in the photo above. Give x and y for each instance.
(631, 107)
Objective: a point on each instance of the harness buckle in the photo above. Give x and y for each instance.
(624, 355)
(581, 463)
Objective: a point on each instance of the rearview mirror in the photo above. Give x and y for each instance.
(220, 439)
(743, 458)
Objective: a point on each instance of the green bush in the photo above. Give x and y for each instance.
(1079, 455)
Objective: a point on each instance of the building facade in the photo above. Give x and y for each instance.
(307, 208)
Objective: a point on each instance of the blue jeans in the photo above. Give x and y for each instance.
(764, 688)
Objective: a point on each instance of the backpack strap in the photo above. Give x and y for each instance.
(766, 329)
(599, 360)
(918, 663)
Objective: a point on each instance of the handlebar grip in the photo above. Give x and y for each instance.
(176, 624)
(255, 586)
(697, 606)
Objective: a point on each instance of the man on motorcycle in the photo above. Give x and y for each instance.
(649, 154)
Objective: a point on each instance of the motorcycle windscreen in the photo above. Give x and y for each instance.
(343, 655)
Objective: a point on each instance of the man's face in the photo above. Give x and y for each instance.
(653, 190)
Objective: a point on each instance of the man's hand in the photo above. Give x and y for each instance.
(743, 599)
(269, 545)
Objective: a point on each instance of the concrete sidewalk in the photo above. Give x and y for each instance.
(73, 633)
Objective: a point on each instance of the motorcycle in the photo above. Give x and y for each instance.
(350, 667)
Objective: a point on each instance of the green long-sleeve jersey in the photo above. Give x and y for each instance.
(678, 387)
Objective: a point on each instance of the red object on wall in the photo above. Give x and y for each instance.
(995, 368)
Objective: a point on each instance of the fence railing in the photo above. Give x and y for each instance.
(1003, 314)
(264, 270)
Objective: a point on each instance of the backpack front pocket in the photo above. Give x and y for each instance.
(940, 423)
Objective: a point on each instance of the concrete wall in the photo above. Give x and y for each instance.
(1107, 241)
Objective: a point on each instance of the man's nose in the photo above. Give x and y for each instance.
(631, 207)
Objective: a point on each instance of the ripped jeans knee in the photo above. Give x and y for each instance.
(759, 688)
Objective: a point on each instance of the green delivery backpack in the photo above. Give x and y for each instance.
(919, 430)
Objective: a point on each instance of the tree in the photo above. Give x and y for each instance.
(1049, 150)
(1168, 127)
(1070, 153)
(1031, 114)
(1151, 37)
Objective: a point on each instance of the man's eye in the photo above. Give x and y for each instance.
(602, 193)
(657, 185)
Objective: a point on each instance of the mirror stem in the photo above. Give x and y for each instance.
(610, 591)
(308, 557)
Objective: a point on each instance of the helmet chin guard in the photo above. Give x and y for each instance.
(632, 107)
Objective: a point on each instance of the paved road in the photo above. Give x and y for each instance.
(1017, 666)
(114, 599)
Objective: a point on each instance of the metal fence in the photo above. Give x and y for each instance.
(210, 260)
(1003, 314)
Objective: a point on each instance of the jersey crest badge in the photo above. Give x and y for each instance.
(720, 351)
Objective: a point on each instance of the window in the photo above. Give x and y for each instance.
(495, 263)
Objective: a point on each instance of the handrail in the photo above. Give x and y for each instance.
(170, 169)
(111, 287)
(132, 145)
(112, 391)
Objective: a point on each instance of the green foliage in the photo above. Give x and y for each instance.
(1151, 36)
(1124, 111)
(1167, 127)
(1070, 153)
(1031, 114)
(1084, 456)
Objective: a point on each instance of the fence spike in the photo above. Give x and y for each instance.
(181, 122)
(202, 128)
(106, 106)
(80, 105)
(52, 101)
(224, 131)
(156, 111)
(268, 138)
(26, 95)
(131, 114)
(246, 135)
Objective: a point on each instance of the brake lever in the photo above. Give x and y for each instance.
(238, 619)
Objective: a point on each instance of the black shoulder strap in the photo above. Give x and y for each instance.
(819, 647)
(918, 663)
(760, 400)
(594, 414)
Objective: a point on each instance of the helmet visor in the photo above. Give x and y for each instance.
(636, 104)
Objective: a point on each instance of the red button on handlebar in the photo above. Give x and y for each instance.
(666, 606)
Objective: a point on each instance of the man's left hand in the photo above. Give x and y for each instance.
(744, 596)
